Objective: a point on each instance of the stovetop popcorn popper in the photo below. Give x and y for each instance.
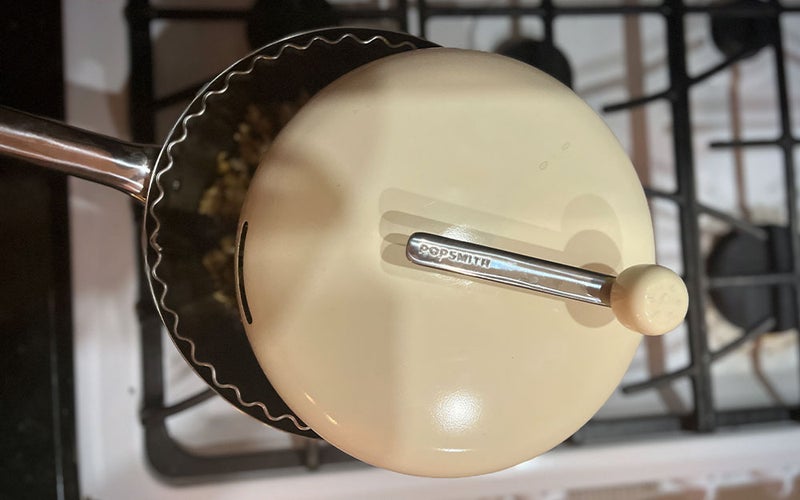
(389, 232)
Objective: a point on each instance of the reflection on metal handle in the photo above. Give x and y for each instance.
(491, 264)
(77, 152)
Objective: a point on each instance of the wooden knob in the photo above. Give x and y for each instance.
(649, 299)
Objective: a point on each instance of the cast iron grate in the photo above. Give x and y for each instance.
(740, 29)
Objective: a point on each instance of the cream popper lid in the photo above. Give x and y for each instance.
(448, 362)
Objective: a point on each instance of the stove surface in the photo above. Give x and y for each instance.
(740, 102)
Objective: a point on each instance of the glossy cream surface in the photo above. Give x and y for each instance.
(411, 369)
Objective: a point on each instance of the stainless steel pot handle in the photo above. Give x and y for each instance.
(57, 146)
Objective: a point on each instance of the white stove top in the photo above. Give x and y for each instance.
(112, 460)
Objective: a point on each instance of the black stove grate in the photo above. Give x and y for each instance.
(167, 456)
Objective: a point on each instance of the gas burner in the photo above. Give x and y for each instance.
(539, 54)
(746, 256)
(271, 20)
(734, 35)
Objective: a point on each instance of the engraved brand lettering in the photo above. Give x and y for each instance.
(462, 257)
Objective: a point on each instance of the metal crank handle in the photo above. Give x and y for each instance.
(648, 299)
(73, 151)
